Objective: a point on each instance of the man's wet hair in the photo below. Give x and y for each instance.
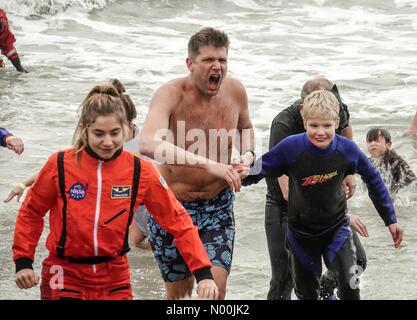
(375, 133)
(314, 85)
(207, 37)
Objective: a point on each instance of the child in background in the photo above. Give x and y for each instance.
(395, 171)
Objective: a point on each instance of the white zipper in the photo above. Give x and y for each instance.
(97, 215)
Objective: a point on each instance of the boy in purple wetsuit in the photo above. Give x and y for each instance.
(316, 163)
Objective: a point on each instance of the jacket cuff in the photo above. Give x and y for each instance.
(3, 141)
(203, 273)
(390, 221)
(23, 263)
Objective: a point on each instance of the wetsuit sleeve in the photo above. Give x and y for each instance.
(280, 129)
(344, 118)
(3, 135)
(271, 164)
(378, 192)
(29, 225)
(170, 214)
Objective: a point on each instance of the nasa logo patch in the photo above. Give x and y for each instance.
(77, 191)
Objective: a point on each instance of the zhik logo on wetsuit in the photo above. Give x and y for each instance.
(120, 192)
(77, 191)
(318, 178)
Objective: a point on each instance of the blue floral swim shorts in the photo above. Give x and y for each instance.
(215, 222)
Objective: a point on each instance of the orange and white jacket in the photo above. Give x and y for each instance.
(98, 204)
(7, 38)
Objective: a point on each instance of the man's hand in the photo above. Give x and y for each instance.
(247, 158)
(358, 225)
(397, 234)
(349, 184)
(207, 289)
(26, 278)
(242, 170)
(15, 144)
(227, 173)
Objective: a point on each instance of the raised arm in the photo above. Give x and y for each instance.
(413, 127)
(348, 132)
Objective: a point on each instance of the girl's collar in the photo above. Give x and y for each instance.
(96, 156)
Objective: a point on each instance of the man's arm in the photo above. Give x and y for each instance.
(245, 128)
(348, 132)
(283, 184)
(156, 127)
(413, 128)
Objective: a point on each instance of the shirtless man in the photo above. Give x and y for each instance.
(194, 114)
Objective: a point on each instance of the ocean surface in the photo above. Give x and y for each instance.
(368, 48)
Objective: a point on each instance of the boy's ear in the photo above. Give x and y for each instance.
(302, 116)
(304, 121)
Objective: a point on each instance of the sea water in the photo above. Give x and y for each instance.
(366, 47)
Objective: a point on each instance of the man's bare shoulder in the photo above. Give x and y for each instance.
(170, 93)
(234, 82)
(174, 84)
(235, 89)
(234, 86)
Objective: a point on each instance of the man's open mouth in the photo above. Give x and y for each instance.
(214, 80)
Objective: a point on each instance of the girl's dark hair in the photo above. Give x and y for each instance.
(375, 133)
(127, 102)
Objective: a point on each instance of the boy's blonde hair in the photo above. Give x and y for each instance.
(321, 104)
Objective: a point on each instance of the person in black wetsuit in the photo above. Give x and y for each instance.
(286, 123)
(316, 163)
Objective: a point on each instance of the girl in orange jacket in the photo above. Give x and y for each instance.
(92, 192)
